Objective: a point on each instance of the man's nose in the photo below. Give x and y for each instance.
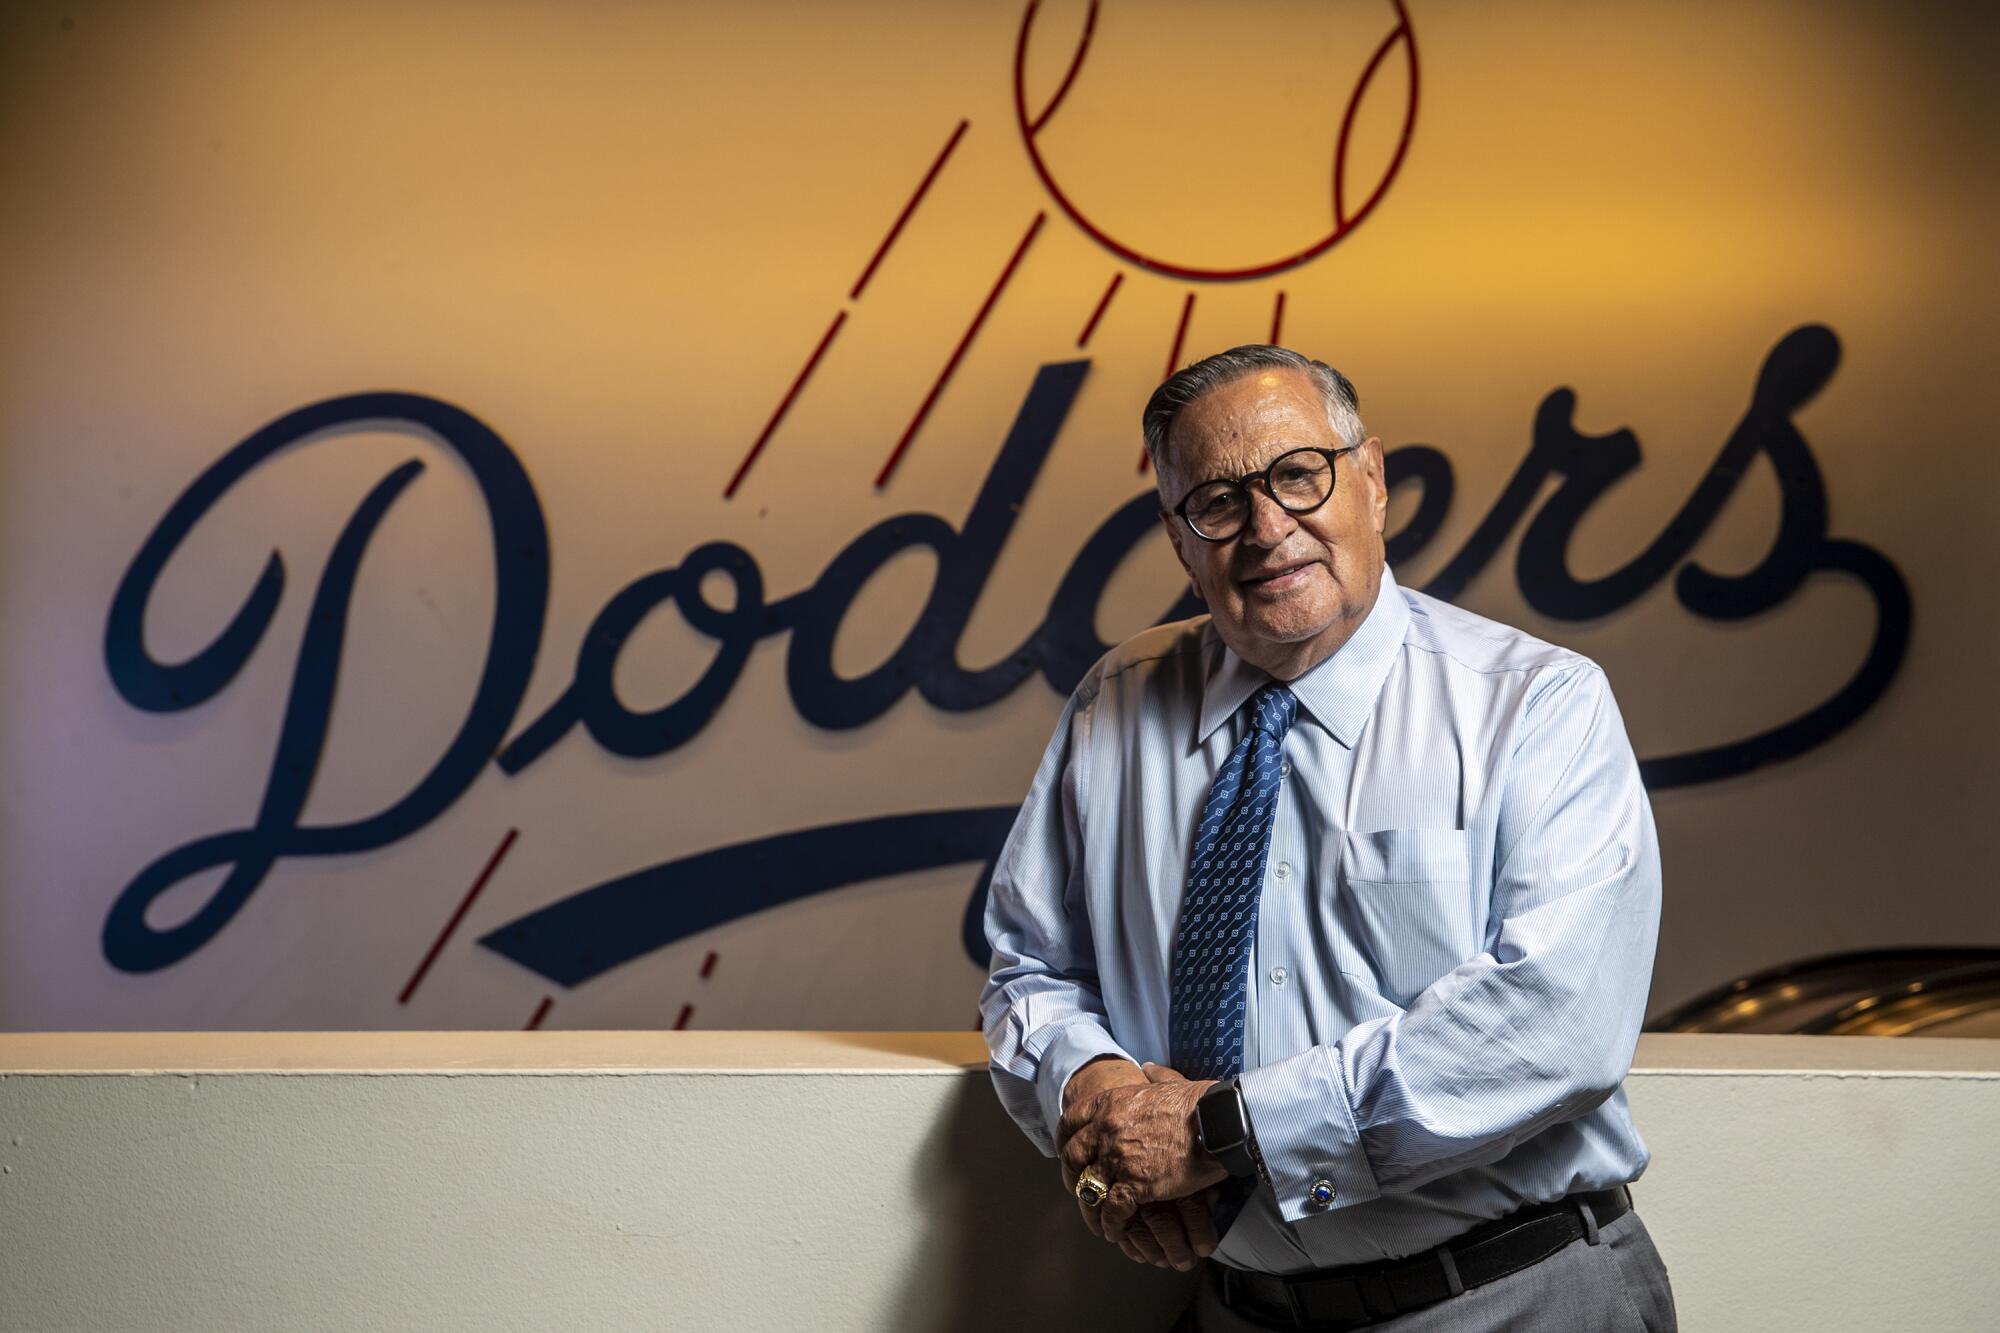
(1270, 522)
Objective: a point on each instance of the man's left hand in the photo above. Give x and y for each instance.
(1141, 1139)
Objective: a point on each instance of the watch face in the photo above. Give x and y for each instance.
(1217, 1119)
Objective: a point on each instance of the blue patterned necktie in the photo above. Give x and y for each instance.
(1219, 911)
(1225, 880)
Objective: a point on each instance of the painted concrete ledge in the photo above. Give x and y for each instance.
(839, 1180)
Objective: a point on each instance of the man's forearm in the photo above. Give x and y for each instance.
(1489, 1055)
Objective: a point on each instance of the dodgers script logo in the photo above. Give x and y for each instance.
(581, 934)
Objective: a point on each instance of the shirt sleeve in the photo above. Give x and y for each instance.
(1538, 1029)
(1043, 1015)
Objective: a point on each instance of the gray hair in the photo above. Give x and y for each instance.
(1343, 409)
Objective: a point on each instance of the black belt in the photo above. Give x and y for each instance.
(1359, 1294)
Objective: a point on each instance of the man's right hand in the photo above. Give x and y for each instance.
(1175, 1234)
(1105, 1072)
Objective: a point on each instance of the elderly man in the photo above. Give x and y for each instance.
(1323, 939)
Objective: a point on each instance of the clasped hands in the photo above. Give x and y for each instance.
(1136, 1126)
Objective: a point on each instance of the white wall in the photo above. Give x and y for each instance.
(615, 233)
(847, 1181)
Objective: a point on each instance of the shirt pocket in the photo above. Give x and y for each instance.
(1403, 908)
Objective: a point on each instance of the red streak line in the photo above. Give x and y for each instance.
(922, 188)
(708, 965)
(459, 915)
(687, 1012)
(1180, 336)
(784, 406)
(540, 1013)
(985, 309)
(1098, 313)
(1277, 318)
(1075, 64)
(1173, 362)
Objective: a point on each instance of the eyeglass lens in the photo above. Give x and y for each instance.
(1300, 481)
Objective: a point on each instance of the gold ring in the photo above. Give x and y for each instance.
(1091, 1187)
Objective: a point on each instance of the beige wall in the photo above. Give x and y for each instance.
(218, 1182)
(615, 232)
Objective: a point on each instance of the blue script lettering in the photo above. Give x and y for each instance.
(585, 933)
(521, 573)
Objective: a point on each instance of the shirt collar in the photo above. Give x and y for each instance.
(1339, 693)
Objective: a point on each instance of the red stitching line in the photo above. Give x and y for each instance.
(1341, 222)
(1075, 64)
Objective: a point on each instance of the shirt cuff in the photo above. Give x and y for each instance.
(1303, 1122)
(1072, 1046)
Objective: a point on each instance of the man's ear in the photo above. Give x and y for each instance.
(1378, 480)
(1175, 536)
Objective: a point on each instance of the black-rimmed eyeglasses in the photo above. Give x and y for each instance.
(1299, 480)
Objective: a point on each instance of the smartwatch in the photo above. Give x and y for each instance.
(1222, 1127)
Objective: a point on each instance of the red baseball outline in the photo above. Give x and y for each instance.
(1342, 223)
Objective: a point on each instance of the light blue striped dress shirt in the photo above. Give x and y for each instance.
(1453, 946)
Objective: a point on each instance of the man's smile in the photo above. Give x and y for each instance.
(1280, 578)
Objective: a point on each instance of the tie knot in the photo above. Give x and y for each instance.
(1273, 710)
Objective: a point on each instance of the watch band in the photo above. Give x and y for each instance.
(1250, 1141)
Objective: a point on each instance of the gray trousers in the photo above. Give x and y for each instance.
(1616, 1285)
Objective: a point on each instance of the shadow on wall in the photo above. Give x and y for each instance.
(1009, 1250)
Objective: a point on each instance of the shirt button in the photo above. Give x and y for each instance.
(1283, 870)
(1320, 1196)
(1279, 976)
(1285, 769)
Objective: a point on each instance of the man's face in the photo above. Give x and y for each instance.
(1289, 589)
